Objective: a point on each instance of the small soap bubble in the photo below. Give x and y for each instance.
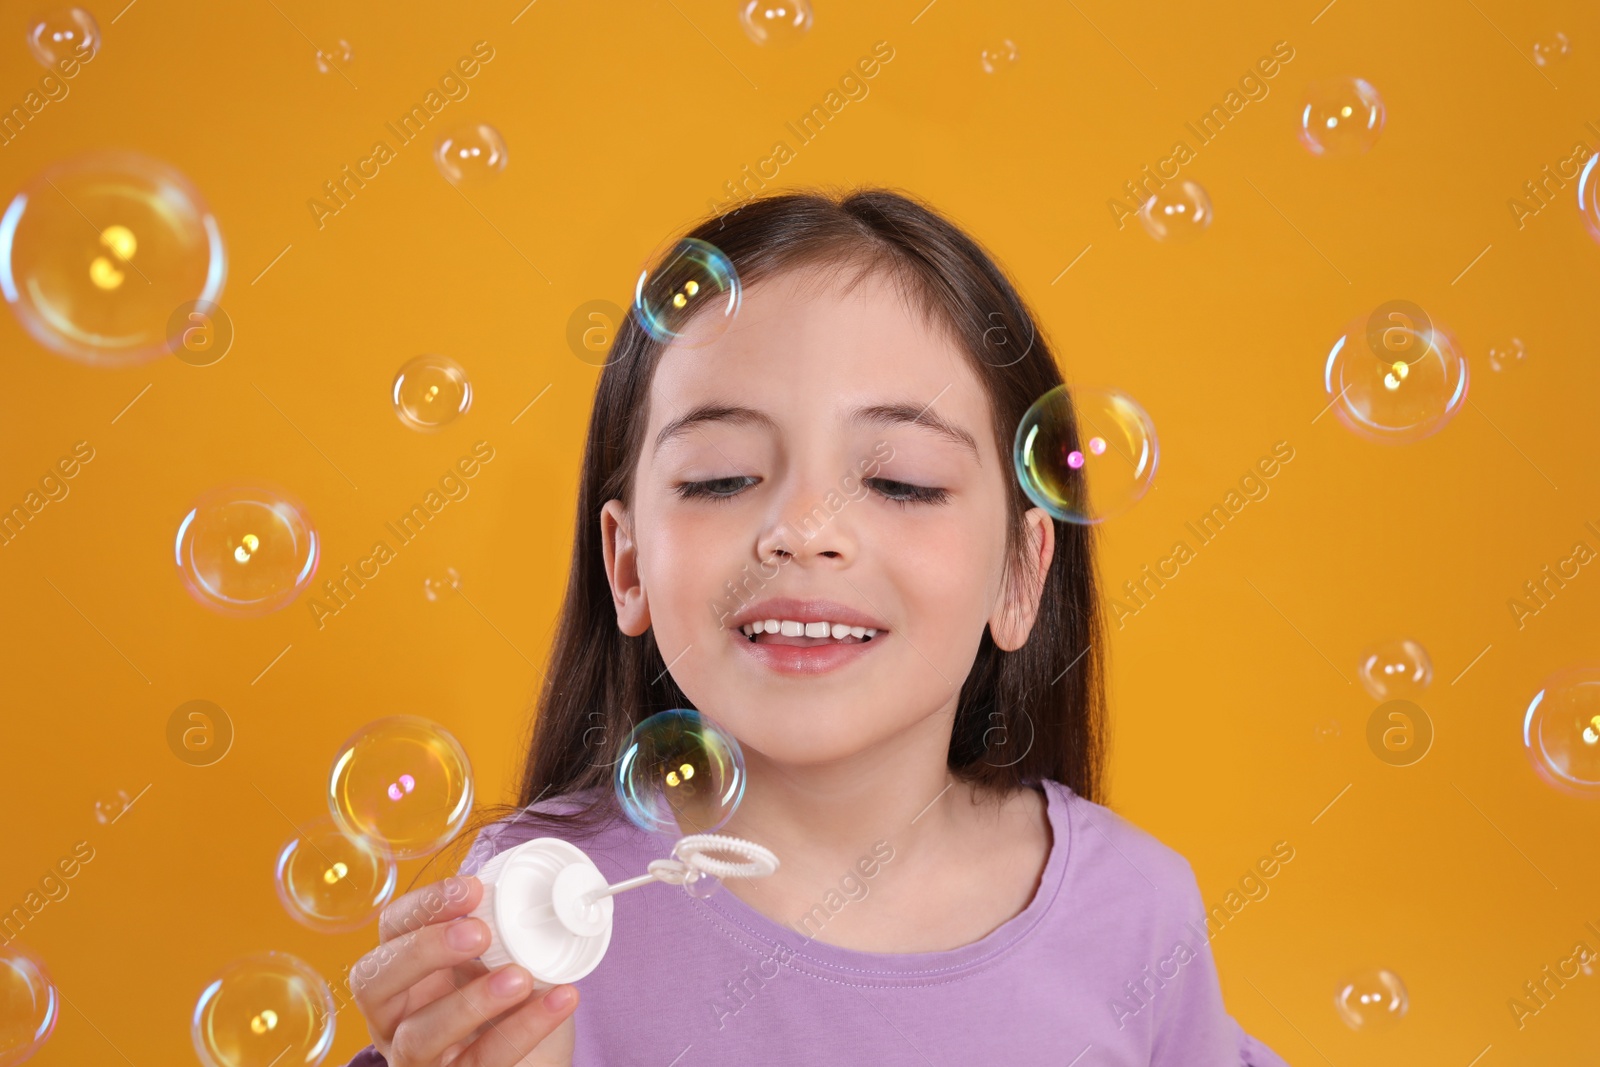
(270, 1008)
(470, 154)
(1589, 196)
(1395, 377)
(65, 33)
(775, 23)
(246, 550)
(693, 278)
(1086, 455)
(1551, 49)
(1371, 999)
(701, 885)
(680, 773)
(430, 391)
(1178, 212)
(97, 251)
(1327, 730)
(1561, 731)
(335, 58)
(999, 57)
(403, 782)
(1395, 668)
(434, 587)
(333, 882)
(1341, 117)
(109, 809)
(29, 1005)
(1508, 356)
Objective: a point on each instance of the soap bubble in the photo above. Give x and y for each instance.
(1551, 49)
(1085, 456)
(1371, 999)
(1341, 117)
(1177, 212)
(999, 57)
(29, 1005)
(331, 881)
(469, 154)
(1507, 356)
(430, 391)
(680, 773)
(1326, 730)
(1395, 376)
(332, 59)
(109, 808)
(693, 274)
(1395, 668)
(434, 586)
(701, 885)
(246, 550)
(775, 23)
(1561, 730)
(96, 252)
(270, 1008)
(405, 783)
(65, 33)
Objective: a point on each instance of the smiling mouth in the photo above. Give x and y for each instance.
(851, 637)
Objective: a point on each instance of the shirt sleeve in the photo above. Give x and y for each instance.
(1192, 1025)
(368, 1057)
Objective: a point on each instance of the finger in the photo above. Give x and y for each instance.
(382, 979)
(536, 1034)
(425, 1034)
(437, 902)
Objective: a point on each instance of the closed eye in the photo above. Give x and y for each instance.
(902, 493)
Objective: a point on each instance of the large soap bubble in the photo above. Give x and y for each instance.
(97, 252)
(680, 773)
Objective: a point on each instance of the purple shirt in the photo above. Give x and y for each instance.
(1110, 961)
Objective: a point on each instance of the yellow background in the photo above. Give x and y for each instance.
(1464, 873)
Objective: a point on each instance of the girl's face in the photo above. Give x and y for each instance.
(829, 458)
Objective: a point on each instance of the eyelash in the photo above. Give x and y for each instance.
(912, 494)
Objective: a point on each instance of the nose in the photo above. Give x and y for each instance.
(811, 525)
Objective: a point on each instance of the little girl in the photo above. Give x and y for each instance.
(950, 889)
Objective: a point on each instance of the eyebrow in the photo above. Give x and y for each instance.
(894, 414)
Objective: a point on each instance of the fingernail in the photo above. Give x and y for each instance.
(466, 935)
(559, 998)
(509, 982)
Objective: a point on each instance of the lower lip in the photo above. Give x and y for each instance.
(802, 660)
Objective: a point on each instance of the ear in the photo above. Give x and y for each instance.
(1014, 615)
(622, 569)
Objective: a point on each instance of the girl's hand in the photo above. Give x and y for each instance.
(428, 1002)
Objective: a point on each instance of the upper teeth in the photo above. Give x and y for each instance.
(789, 628)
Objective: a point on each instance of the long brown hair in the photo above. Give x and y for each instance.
(1030, 714)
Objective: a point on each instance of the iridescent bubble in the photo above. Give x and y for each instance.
(1551, 49)
(693, 278)
(1327, 730)
(435, 586)
(96, 252)
(1178, 212)
(335, 58)
(1507, 356)
(270, 1008)
(1404, 388)
(29, 1005)
(430, 391)
(1086, 455)
(775, 23)
(65, 33)
(999, 57)
(246, 550)
(1561, 730)
(1341, 117)
(470, 154)
(1394, 669)
(701, 885)
(680, 773)
(331, 881)
(1371, 999)
(405, 783)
